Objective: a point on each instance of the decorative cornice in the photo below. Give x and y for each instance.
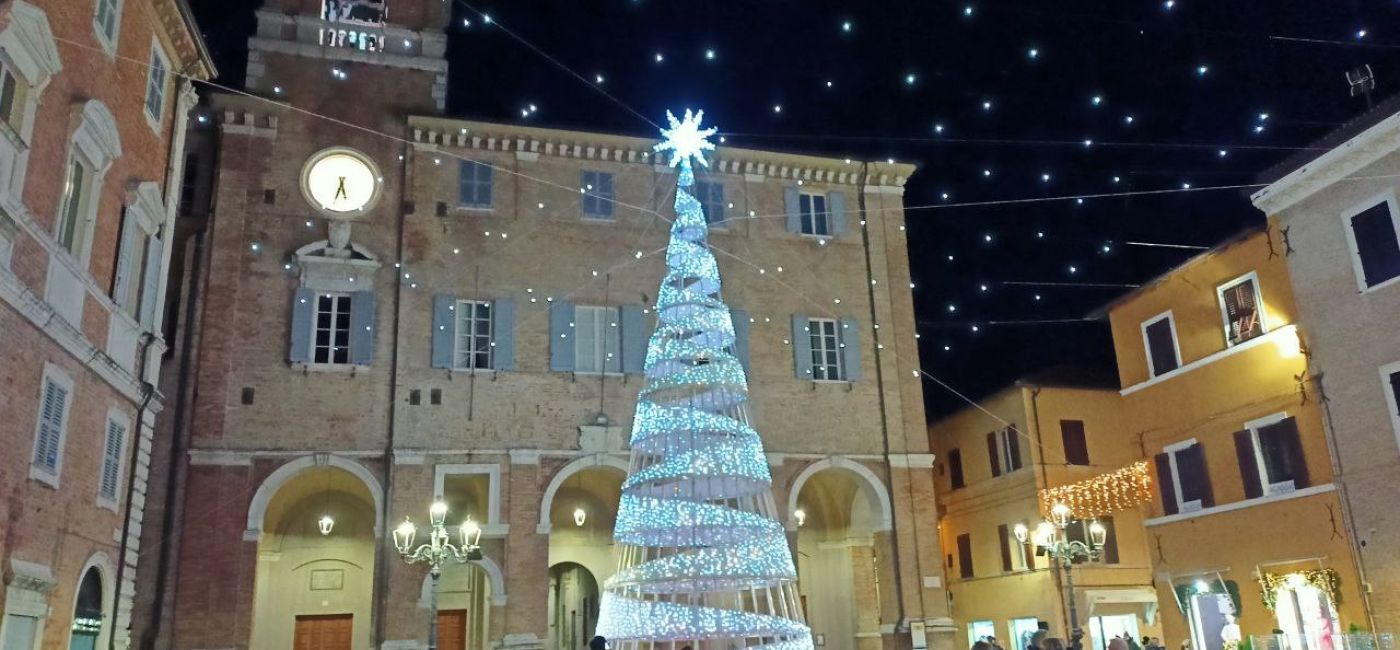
(192, 57)
(755, 165)
(912, 461)
(1329, 168)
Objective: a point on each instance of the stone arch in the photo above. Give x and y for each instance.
(578, 465)
(877, 493)
(493, 576)
(107, 573)
(257, 507)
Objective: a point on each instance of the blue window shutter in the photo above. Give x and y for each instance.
(741, 337)
(836, 205)
(362, 328)
(792, 205)
(444, 329)
(605, 194)
(303, 306)
(850, 353)
(464, 182)
(503, 334)
(801, 347)
(634, 340)
(561, 336)
(485, 178)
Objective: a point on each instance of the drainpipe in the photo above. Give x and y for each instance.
(147, 392)
(880, 391)
(1344, 498)
(381, 562)
(1043, 482)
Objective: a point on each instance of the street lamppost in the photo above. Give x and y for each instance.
(1050, 536)
(438, 551)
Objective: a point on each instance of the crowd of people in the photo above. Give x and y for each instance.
(1041, 640)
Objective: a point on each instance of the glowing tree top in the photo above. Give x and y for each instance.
(704, 561)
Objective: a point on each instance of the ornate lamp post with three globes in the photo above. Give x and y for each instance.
(1050, 536)
(439, 550)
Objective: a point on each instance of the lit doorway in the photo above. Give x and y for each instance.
(1306, 616)
(1210, 613)
(573, 606)
(1104, 628)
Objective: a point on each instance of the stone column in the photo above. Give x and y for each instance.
(866, 589)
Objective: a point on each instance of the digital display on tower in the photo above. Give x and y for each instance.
(354, 14)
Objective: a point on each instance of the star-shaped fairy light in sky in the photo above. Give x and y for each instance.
(685, 139)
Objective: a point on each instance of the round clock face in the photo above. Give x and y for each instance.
(341, 183)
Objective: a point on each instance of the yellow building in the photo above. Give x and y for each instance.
(1217, 395)
(1054, 429)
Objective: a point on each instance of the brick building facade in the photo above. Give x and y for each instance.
(93, 98)
(465, 324)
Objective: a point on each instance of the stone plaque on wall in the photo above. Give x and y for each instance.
(327, 580)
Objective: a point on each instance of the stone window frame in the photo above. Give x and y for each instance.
(26, 594)
(811, 214)
(95, 144)
(108, 41)
(836, 339)
(1391, 399)
(1253, 278)
(29, 52)
(155, 116)
(1147, 344)
(1388, 197)
(492, 526)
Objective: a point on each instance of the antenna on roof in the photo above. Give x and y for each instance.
(1362, 82)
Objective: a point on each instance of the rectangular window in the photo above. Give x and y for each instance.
(711, 197)
(106, 21)
(52, 426)
(1375, 240)
(71, 207)
(1159, 336)
(955, 469)
(112, 450)
(597, 339)
(1022, 629)
(1013, 552)
(597, 195)
(21, 632)
(474, 184)
(815, 218)
(1391, 375)
(1078, 531)
(155, 86)
(980, 631)
(1187, 479)
(1275, 455)
(1004, 449)
(474, 335)
(965, 555)
(826, 349)
(1076, 446)
(1239, 306)
(332, 329)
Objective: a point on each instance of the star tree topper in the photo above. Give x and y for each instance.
(685, 139)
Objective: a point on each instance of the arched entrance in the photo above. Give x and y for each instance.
(88, 629)
(837, 510)
(582, 509)
(315, 571)
(465, 597)
(573, 606)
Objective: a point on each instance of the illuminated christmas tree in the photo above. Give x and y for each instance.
(704, 561)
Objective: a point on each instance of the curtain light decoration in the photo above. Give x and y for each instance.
(1328, 581)
(1104, 494)
(704, 561)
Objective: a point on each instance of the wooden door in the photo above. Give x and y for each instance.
(328, 632)
(452, 629)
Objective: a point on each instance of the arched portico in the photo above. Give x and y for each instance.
(876, 494)
(257, 507)
(563, 475)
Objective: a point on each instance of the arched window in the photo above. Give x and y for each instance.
(87, 612)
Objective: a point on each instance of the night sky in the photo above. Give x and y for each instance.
(990, 99)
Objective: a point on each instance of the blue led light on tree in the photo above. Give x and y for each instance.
(704, 561)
